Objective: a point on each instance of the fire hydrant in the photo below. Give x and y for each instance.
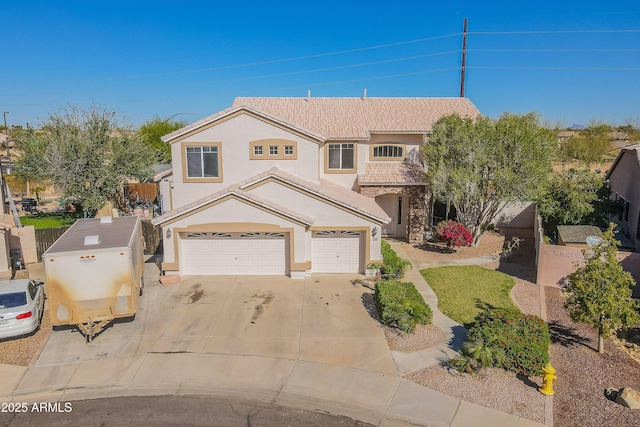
(548, 375)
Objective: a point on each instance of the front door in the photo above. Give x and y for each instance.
(394, 206)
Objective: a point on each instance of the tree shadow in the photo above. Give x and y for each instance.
(458, 338)
(566, 336)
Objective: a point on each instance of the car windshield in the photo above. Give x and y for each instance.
(14, 299)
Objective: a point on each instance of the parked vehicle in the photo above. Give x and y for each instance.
(29, 204)
(94, 273)
(21, 307)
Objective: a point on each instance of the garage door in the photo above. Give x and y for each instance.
(336, 252)
(208, 254)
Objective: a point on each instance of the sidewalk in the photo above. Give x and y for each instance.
(408, 362)
(371, 397)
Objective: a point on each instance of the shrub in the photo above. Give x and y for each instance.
(400, 305)
(453, 234)
(523, 339)
(392, 264)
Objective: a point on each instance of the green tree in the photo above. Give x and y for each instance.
(599, 293)
(568, 197)
(85, 154)
(589, 146)
(481, 164)
(153, 130)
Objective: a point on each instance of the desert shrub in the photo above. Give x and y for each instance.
(453, 234)
(400, 305)
(523, 339)
(480, 352)
(392, 264)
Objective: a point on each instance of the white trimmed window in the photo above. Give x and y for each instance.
(388, 152)
(257, 150)
(203, 162)
(288, 150)
(273, 150)
(341, 156)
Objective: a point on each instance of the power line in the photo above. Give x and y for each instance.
(489, 67)
(253, 64)
(554, 50)
(551, 32)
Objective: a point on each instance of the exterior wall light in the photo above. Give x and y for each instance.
(168, 234)
(374, 231)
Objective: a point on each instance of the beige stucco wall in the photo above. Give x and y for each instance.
(235, 135)
(349, 180)
(324, 214)
(24, 238)
(231, 212)
(516, 215)
(556, 262)
(624, 181)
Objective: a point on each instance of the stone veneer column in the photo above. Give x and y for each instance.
(417, 207)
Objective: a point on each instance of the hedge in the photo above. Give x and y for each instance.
(392, 264)
(523, 338)
(400, 305)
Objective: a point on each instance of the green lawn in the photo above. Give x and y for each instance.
(51, 220)
(463, 290)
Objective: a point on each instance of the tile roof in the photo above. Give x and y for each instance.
(357, 118)
(232, 190)
(391, 174)
(326, 189)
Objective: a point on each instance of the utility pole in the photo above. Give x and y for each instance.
(3, 183)
(463, 71)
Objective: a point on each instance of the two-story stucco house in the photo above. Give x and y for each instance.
(295, 186)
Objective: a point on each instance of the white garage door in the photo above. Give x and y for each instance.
(206, 254)
(336, 252)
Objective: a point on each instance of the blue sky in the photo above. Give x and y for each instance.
(570, 61)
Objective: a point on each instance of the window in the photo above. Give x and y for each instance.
(202, 162)
(341, 156)
(399, 210)
(273, 149)
(388, 152)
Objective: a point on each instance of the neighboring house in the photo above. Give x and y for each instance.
(294, 186)
(624, 179)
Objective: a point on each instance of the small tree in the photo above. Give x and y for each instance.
(153, 130)
(600, 292)
(85, 154)
(453, 234)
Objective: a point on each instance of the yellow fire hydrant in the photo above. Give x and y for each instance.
(548, 375)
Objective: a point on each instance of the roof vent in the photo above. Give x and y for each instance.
(106, 220)
(91, 240)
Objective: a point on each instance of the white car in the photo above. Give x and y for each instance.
(21, 307)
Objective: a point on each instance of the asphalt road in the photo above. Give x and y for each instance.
(166, 411)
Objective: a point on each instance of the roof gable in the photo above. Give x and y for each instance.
(633, 149)
(230, 113)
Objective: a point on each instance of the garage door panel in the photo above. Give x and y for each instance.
(336, 252)
(233, 255)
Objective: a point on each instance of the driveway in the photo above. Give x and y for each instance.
(318, 319)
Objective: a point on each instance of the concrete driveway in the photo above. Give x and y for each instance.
(321, 319)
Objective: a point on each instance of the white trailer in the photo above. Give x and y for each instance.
(94, 273)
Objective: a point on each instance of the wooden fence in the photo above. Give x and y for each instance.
(45, 237)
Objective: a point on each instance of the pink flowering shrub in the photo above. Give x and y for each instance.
(453, 234)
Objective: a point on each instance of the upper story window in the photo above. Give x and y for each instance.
(273, 149)
(202, 162)
(341, 156)
(387, 152)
